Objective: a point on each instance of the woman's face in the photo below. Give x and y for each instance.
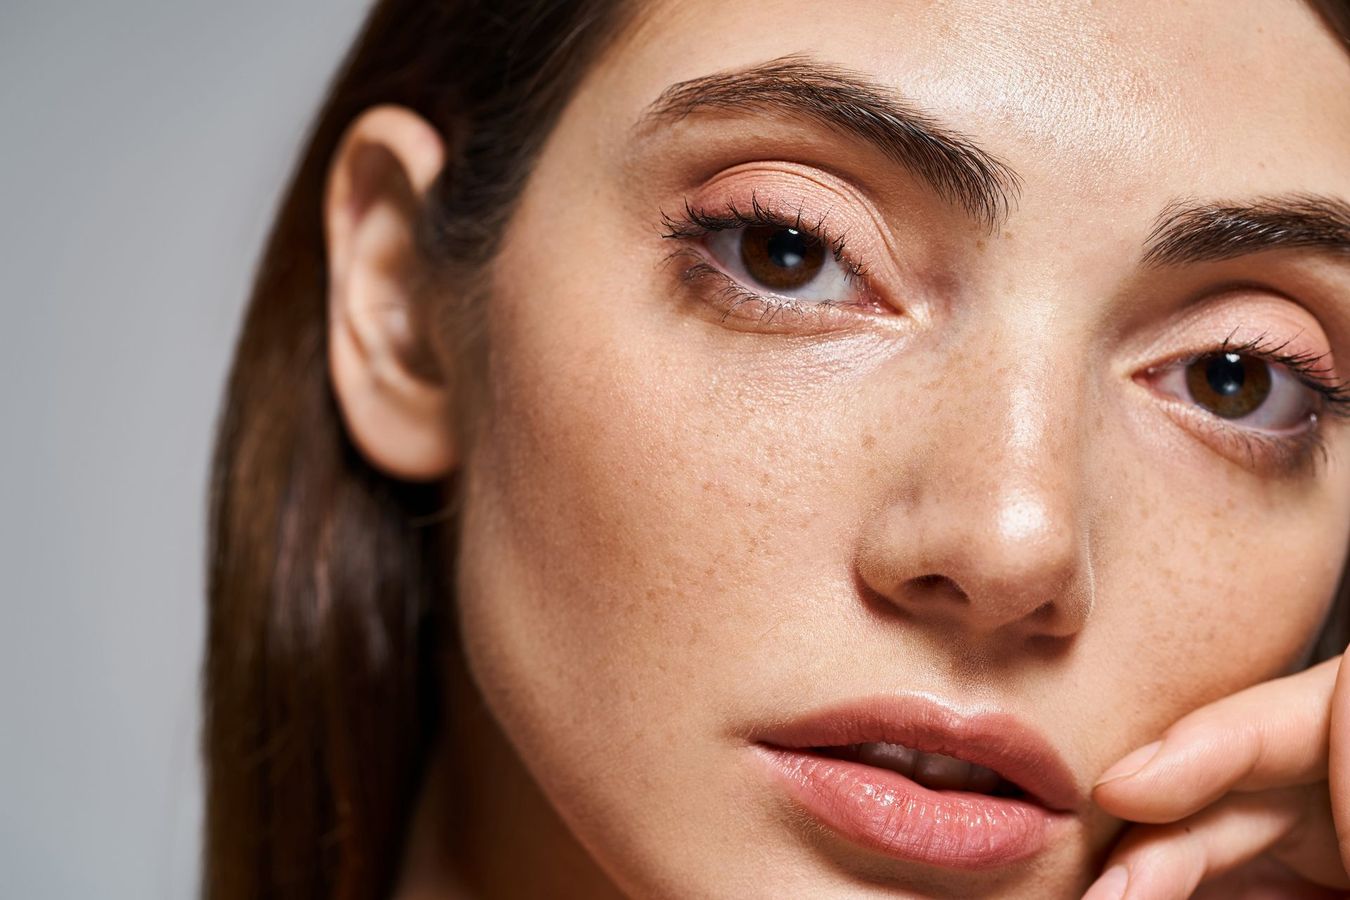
(1006, 473)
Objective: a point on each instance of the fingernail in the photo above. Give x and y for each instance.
(1132, 764)
(1110, 886)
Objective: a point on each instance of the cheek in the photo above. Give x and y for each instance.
(636, 512)
(1210, 582)
(637, 526)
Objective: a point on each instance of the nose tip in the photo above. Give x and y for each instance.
(1019, 564)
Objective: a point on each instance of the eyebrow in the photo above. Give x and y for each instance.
(952, 164)
(1191, 231)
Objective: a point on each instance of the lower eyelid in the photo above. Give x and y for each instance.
(1275, 454)
(727, 299)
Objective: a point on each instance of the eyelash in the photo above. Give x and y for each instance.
(1282, 453)
(1309, 368)
(694, 223)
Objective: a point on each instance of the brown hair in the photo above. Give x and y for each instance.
(327, 580)
(329, 611)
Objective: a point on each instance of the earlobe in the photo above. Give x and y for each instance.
(394, 392)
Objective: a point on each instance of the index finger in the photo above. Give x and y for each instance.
(1274, 734)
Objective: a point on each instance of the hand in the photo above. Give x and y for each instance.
(1251, 792)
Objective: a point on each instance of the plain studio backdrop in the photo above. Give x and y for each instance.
(143, 144)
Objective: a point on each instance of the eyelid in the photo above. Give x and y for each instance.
(766, 313)
(1233, 314)
(1278, 455)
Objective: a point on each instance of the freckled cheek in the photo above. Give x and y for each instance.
(651, 523)
(1211, 596)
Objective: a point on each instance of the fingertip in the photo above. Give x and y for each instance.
(1131, 765)
(1111, 886)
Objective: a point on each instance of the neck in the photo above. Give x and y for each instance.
(483, 830)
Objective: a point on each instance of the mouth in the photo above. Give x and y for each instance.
(935, 771)
(915, 780)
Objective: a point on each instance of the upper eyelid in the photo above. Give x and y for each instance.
(786, 185)
(816, 92)
(761, 215)
(1308, 367)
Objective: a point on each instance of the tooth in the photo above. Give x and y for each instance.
(982, 780)
(942, 772)
(895, 757)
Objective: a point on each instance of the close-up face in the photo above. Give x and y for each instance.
(901, 374)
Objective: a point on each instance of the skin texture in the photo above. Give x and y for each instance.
(679, 526)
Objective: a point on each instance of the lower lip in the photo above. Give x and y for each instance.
(886, 812)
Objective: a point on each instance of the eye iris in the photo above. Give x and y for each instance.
(781, 258)
(1229, 385)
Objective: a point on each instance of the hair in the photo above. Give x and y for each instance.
(329, 583)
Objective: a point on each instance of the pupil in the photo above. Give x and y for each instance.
(787, 248)
(1226, 374)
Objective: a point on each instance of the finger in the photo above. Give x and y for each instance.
(1312, 849)
(1168, 862)
(1263, 879)
(1338, 776)
(1268, 736)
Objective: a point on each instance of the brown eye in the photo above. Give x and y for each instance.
(782, 259)
(1230, 385)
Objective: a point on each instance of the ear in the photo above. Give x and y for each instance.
(394, 396)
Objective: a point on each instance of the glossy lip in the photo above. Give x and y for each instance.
(887, 812)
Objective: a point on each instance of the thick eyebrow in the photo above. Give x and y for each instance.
(1189, 231)
(956, 168)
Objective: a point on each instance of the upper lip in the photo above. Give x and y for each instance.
(995, 740)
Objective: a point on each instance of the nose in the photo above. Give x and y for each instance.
(988, 532)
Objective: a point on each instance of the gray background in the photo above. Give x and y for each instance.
(142, 148)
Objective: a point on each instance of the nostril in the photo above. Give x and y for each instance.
(936, 584)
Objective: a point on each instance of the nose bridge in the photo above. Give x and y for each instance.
(1016, 461)
(1031, 478)
(992, 530)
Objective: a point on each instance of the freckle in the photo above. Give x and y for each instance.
(869, 441)
(1007, 235)
(707, 486)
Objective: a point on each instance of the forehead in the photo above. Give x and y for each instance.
(1087, 98)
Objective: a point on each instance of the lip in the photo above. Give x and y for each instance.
(889, 813)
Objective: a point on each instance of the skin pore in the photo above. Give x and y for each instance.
(976, 475)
